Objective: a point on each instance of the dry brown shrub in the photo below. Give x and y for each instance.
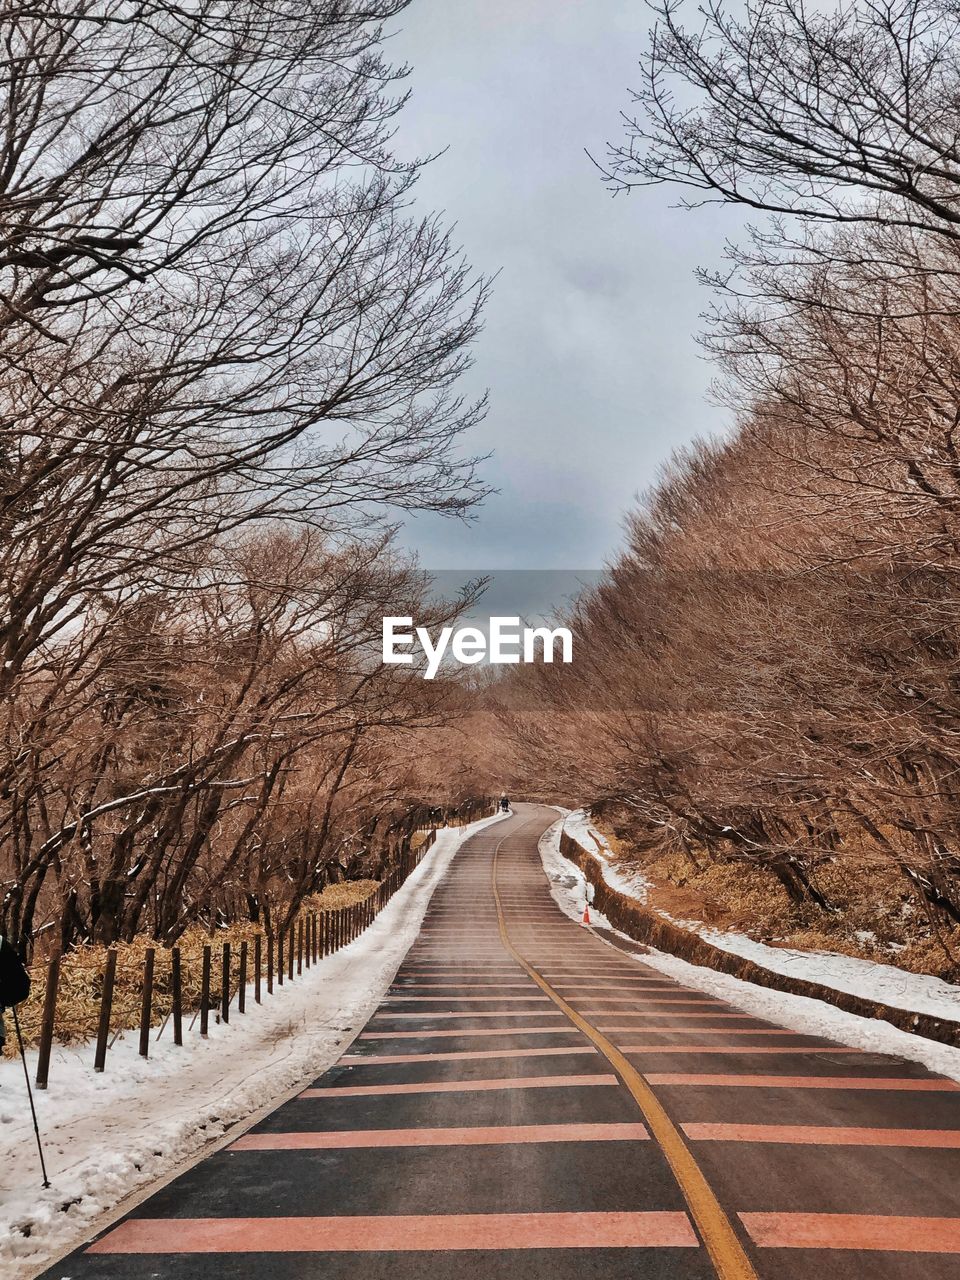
(81, 975)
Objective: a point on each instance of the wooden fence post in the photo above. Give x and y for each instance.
(49, 1017)
(257, 966)
(242, 979)
(146, 1002)
(269, 938)
(176, 982)
(291, 939)
(225, 984)
(106, 1003)
(300, 946)
(280, 958)
(205, 992)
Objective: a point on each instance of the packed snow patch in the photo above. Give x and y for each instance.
(868, 979)
(107, 1135)
(577, 824)
(798, 1013)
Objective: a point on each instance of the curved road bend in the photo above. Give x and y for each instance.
(528, 1102)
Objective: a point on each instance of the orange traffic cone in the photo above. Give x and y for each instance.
(586, 914)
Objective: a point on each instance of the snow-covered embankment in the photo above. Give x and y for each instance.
(799, 1013)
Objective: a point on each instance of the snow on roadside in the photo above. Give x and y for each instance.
(576, 823)
(106, 1135)
(884, 983)
(799, 1013)
(920, 993)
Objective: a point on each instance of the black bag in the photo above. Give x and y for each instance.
(14, 979)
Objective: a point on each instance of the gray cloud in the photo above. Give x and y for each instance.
(588, 351)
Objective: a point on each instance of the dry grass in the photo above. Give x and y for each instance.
(81, 975)
(878, 918)
(335, 896)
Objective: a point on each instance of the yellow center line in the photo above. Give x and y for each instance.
(720, 1240)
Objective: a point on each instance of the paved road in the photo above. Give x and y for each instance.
(529, 1102)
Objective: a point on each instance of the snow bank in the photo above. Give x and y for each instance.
(577, 824)
(883, 983)
(798, 1013)
(107, 1135)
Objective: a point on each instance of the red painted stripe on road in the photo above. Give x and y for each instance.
(431, 1015)
(735, 1048)
(823, 1135)
(479, 1136)
(470, 986)
(697, 1031)
(806, 1082)
(462, 1086)
(461, 999)
(662, 1013)
(400, 1233)
(377, 1059)
(422, 1034)
(864, 1231)
(691, 1001)
(633, 984)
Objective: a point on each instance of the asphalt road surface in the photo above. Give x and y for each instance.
(529, 1102)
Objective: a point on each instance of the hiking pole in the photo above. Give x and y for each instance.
(33, 1110)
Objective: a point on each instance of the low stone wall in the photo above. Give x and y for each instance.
(639, 922)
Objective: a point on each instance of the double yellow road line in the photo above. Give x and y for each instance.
(719, 1238)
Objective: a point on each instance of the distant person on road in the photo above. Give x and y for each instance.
(504, 803)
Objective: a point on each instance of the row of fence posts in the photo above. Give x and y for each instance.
(306, 941)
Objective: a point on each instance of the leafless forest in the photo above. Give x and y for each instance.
(228, 353)
(770, 678)
(230, 359)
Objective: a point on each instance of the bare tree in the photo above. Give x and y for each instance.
(217, 306)
(217, 314)
(849, 116)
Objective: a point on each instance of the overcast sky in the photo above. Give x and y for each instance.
(588, 351)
